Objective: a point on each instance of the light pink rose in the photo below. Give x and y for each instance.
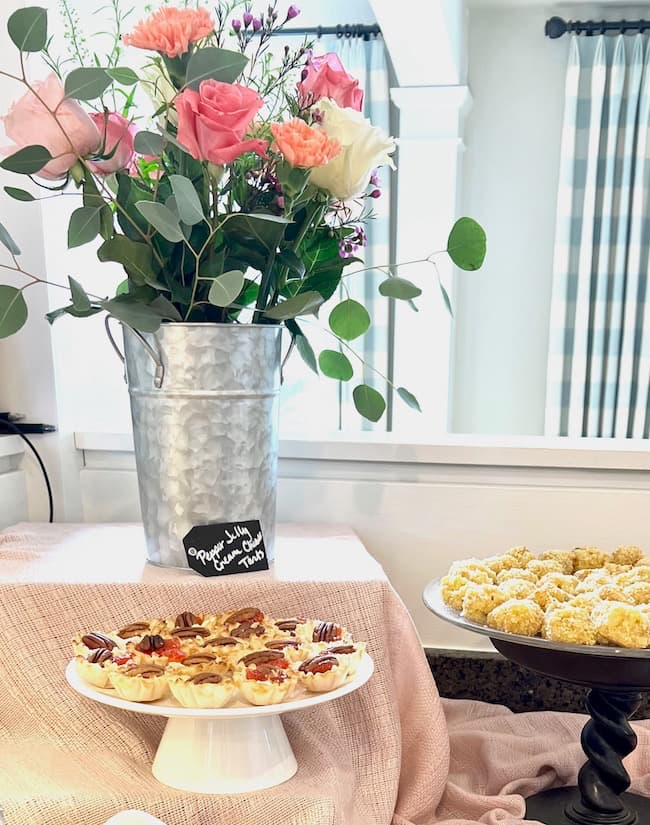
(116, 131)
(29, 123)
(213, 121)
(325, 77)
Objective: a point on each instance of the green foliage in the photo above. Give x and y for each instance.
(335, 364)
(399, 288)
(80, 300)
(28, 28)
(122, 75)
(162, 219)
(225, 288)
(86, 83)
(263, 230)
(13, 310)
(136, 258)
(368, 402)
(83, 226)
(7, 241)
(188, 204)
(215, 64)
(307, 303)
(27, 161)
(409, 399)
(19, 194)
(302, 344)
(467, 244)
(349, 320)
(138, 315)
(149, 143)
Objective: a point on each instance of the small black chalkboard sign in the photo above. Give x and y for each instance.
(222, 549)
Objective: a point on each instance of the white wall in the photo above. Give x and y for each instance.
(511, 165)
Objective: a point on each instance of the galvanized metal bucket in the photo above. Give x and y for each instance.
(204, 404)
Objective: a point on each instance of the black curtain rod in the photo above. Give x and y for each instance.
(556, 27)
(347, 30)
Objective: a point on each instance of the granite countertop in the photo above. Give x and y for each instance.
(489, 677)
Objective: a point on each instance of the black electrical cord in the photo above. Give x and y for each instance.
(7, 423)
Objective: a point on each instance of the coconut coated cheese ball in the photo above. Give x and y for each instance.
(522, 616)
(582, 596)
(570, 625)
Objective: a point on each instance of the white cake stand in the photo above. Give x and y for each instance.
(237, 749)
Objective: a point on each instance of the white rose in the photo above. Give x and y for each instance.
(160, 90)
(363, 148)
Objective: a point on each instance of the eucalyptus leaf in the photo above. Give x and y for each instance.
(149, 143)
(27, 161)
(446, 299)
(80, 300)
(162, 219)
(19, 194)
(83, 226)
(122, 75)
(225, 288)
(399, 288)
(369, 403)
(349, 320)
(188, 204)
(266, 230)
(28, 28)
(135, 313)
(86, 83)
(466, 245)
(409, 399)
(215, 64)
(302, 344)
(7, 241)
(135, 257)
(304, 304)
(292, 262)
(13, 310)
(335, 364)
(70, 310)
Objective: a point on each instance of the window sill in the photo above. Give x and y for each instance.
(458, 450)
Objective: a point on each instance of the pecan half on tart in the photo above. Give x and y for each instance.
(206, 689)
(91, 667)
(321, 673)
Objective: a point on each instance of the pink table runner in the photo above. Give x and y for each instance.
(390, 753)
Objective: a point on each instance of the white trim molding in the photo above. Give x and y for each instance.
(418, 506)
(13, 489)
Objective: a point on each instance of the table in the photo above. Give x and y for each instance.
(67, 761)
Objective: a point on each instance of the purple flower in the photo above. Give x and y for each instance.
(248, 18)
(376, 193)
(236, 24)
(257, 24)
(374, 179)
(292, 11)
(360, 237)
(280, 202)
(346, 249)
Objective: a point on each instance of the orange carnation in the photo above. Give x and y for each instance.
(304, 145)
(170, 30)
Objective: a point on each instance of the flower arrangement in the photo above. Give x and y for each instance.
(246, 199)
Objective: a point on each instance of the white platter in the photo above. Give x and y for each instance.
(236, 749)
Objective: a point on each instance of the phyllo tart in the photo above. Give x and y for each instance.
(92, 668)
(205, 689)
(321, 673)
(263, 677)
(139, 682)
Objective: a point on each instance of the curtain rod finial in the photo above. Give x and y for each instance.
(555, 27)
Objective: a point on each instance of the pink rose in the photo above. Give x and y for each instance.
(213, 121)
(117, 134)
(70, 133)
(326, 77)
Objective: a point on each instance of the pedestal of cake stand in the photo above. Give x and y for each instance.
(607, 738)
(617, 677)
(224, 756)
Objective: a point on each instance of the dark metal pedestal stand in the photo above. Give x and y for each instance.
(607, 738)
(617, 677)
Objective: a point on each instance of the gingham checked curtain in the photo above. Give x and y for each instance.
(598, 379)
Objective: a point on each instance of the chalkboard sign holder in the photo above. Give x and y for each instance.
(226, 548)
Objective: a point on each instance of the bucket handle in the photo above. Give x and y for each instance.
(160, 369)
